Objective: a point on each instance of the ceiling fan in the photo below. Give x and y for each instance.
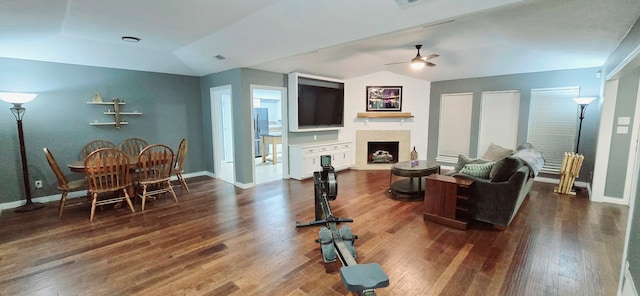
(419, 61)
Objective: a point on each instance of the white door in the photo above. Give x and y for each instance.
(222, 127)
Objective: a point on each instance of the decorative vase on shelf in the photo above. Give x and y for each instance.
(414, 157)
(97, 98)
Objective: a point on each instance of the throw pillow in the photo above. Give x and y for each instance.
(463, 160)
(480, 170)
(495, 152)
(525, 146)
(503, 169)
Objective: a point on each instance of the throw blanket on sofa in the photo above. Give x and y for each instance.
(532, 158)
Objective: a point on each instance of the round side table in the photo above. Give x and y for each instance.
(413, 186)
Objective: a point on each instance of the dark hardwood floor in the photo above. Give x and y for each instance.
(220, 240)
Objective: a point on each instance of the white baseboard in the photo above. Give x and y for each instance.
(628, 287)
(82, 193)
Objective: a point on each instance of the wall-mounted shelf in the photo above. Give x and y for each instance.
(108, 123)
(384, 115)
(115, 112)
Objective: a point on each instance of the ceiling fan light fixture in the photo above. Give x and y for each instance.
(417, 63)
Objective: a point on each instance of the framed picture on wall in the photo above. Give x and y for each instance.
(384, 98)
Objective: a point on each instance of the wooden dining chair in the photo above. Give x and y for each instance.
(177, 168)
(107, 170)
(95, 145)
(154, 171)
(63, 185)
(133, 146)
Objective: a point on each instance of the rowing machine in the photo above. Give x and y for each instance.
(337, 244)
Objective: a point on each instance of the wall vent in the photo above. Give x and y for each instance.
(220, 57)
(407, 3)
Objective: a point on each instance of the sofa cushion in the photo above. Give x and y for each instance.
(463, 160)
(495, 152)
(503, 169)
(480, 170)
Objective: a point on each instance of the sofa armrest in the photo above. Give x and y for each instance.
(496, 202)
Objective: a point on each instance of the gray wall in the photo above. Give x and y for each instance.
(617, 164)
(59, 117)
(626, 47)
(240, 81)
(586, 79)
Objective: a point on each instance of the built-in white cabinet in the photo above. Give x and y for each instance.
(305, 158)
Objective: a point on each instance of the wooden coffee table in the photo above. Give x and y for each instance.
(413, 187)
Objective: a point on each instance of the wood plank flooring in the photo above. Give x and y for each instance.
(221, 240)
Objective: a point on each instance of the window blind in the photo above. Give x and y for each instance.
(552, 124)
(455, 126)
(499, 119)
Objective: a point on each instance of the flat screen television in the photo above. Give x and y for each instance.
(320, 104)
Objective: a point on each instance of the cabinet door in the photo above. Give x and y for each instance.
(310, 163)
(341, 156)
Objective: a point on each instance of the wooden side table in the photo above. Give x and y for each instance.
(273, 139)
(445, 200)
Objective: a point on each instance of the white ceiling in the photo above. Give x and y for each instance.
(334, 38)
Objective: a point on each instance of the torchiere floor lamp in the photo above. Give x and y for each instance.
(583, 102)
(17, 99)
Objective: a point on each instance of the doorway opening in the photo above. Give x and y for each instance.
(222, 128)
(268, 132)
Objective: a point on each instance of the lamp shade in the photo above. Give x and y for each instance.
(584, 100)
(17, 98)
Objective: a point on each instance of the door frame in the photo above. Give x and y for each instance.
(216, 132)
(285, 128)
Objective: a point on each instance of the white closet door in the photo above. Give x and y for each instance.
(455, 126)
(499, 119)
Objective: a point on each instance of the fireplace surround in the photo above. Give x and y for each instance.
(363, 137)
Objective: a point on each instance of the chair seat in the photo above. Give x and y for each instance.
(363, 277)
(75, 185)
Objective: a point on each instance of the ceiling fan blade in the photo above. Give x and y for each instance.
(395, 63)
(431, 56)
(430, 64)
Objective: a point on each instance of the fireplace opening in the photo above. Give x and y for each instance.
(382, 152)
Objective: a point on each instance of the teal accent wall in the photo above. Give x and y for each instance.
(59, 117)
(240, 80)
(586, 79)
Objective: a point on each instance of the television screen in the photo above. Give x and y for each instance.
(320, 103)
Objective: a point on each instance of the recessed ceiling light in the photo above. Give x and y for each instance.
(130, 39)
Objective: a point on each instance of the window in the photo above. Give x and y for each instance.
(552, 124)
(499, 119)
(455, 126)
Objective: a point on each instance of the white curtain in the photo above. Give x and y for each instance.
(455, 126)
(552, 124)
(499, 119)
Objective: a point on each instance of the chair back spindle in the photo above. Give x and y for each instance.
(133, 146)
(95, 145)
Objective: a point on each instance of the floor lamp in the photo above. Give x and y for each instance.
(583, 102)
(17, 99)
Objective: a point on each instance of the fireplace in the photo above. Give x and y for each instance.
(362, 156)
(382, 152)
